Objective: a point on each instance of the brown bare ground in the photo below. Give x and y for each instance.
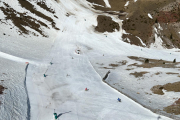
(157, 89)
(107, 68)
(138, 74)
(153, 63)
(170, 34)
(123, 62)
(174, 108)
(171, 73)
(158, 73)
(43, 5)
(169, 87)
(106, 23)
(133, 40)
(27, 5)
(113, 65)
(138, 22)
(129, 69)
(1, 89)
(168, 17)
(99, 2)
(142, 5)
(23, 20)
(172, 87)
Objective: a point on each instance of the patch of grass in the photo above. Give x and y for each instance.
(133, 39)
(174, 108)
(129, 69)
(171, 73)
(169, 87)
(1, 89)
(107, 68)
(157, 89)
(138, 74)
(113, 65)
(157, 73)
(172, 87)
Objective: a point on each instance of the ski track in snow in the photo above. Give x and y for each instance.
(28, 102)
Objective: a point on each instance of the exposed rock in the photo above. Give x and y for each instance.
(106, 23)
(146, 61)
(174, 60)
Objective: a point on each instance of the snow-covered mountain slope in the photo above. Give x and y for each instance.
(62, 50)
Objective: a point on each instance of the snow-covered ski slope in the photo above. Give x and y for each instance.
(63, 89)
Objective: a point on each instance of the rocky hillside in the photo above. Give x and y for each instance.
(152, 24)
(29, 20)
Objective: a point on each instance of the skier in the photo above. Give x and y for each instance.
(45, 75)
(119, 100)
(159, 117)
(78, 51)
(55, 115)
